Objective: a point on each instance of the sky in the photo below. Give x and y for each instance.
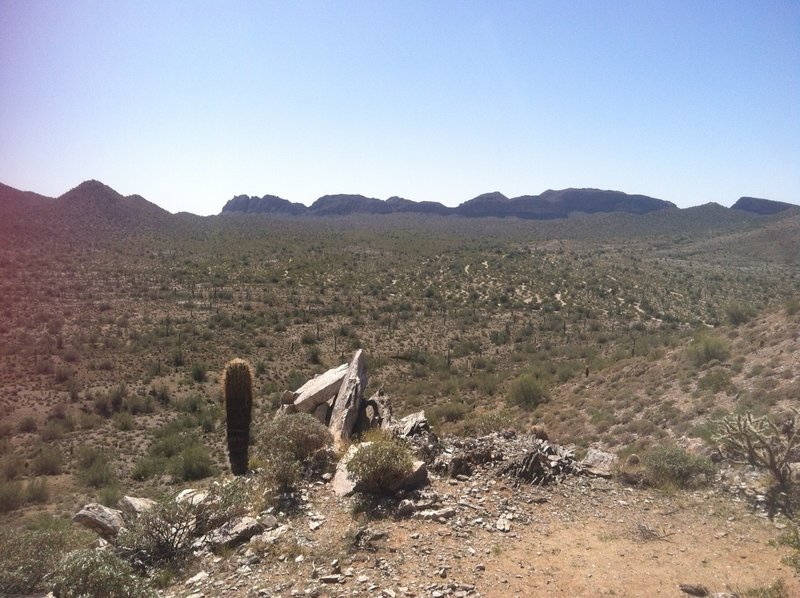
(189, 103)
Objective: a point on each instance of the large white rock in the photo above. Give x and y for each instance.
(319, 390)
(102, 520)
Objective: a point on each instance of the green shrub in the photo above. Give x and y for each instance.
(378, 467)
(12, 496)
(98, 573)
(11, 466)
(147, 467)
(527, 392)
(671, 466)
(37, 491)
(94, 467)
(301, 434)
(28, 424)
(164, 534)
(199, 372)
(123, 421)
(314, 355)
(739, 313)
(192, 463)
(716, 380)
(705, 348)
(20, 571)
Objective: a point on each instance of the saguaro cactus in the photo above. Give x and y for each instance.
(238, 384)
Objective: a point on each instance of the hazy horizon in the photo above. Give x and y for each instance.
(191, 104)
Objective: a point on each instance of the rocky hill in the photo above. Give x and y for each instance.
(549, 205)
(761, 206)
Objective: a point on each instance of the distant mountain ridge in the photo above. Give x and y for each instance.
(549, 205)
(761, 206)
(94, 204)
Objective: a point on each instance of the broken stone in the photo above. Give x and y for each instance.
(437, 514)
(235, 531)
(319, 390)
(347, 405)
(101, 520)
(202, 576)
(132, 506)
(543, 464)
(503, 525)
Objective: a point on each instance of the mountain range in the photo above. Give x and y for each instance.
(93, 203)
(549, 205)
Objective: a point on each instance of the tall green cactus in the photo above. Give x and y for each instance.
(238, 384)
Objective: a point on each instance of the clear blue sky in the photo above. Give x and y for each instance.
(189, 103)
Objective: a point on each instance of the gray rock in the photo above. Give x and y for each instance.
(347, 405)
(598, 463)
(133, 506)
(235, 531)
(319, 390)
(102, 520)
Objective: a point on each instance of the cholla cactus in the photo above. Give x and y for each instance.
(238, 386)
(760, 442)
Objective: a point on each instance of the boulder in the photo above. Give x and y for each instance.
(235, 531)
(319, 390)
(133, 506)
(102, 520)
(347, 405)
(598, 463)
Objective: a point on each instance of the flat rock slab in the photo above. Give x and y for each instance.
(319, 390)
(102, 520)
